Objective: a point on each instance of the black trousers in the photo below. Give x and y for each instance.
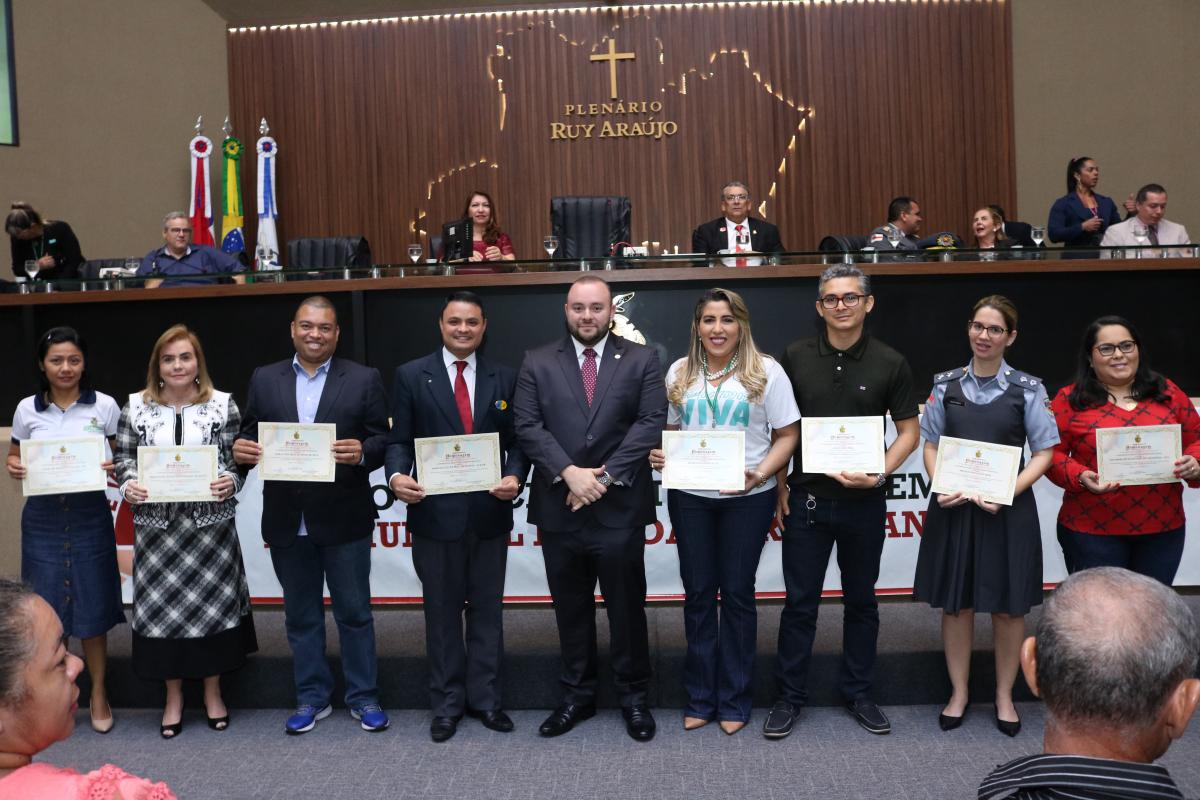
(463, 580)
(574, 562)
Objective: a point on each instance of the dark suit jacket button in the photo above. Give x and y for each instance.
(590, 437)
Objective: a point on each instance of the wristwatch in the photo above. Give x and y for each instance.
(881, 480)
(605, 480)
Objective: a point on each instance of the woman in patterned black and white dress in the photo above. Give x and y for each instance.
(191, 605)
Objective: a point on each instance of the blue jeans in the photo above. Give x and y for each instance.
(301, 569)
(720, 541)
(809, 534)
(1156, 555)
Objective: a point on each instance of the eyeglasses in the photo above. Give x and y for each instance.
(177, 231)
(848, 300)
(1108, 350)
(736, 198)
(991, 330)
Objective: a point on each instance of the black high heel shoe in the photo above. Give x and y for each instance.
(218, 723)
(172, 731)
(949, 723)
(1004, 726)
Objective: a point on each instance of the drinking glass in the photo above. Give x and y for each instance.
(894, 236)
(1038, 235)
(31, 269)
(415, 251)
(551, 244)
(132, 265)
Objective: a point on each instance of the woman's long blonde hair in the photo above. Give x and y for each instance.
(750, 370)
(204, 385)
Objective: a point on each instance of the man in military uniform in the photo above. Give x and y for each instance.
(904, 218)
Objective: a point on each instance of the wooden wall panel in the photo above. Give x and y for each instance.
(826, 110)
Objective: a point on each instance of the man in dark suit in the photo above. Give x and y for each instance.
(589, 407)
(1021, 232)
(460, 541)
(321, 532)
(736, 231)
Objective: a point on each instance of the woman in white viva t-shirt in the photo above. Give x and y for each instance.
(725, 384)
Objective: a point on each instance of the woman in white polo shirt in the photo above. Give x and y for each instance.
(68, 548)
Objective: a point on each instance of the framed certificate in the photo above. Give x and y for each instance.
(452, 464)
(178, 474)
(63, 466)
(704, 460)
(842, 444)
(295, 451)
(978, 469)
(1139, 455)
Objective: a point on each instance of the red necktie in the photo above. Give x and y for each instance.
(588, 372)
(740, 262)
(462, 398)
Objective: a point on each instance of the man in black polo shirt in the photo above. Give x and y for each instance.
(841, 373)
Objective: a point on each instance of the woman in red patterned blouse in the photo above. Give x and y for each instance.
(1106, 524)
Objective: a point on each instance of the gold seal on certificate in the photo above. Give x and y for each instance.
(704, 460)
(63, 466)
(977, 469)
(842, 444)
(452, 464)
(178, 474)
(295, 451)
(1139, 455)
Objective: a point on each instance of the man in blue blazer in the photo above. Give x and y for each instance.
(589, 408)
(321, 532)
(460, 541)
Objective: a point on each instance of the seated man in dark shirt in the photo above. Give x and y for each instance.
(1115, 659)
(180, 263)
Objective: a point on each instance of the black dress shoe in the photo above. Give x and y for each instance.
(780, 720)
(442, 728)
(493, 720)
(869, 716)
(563, 718)
(1006, 727)
(639, 722)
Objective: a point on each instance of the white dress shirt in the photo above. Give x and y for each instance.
(598, 347)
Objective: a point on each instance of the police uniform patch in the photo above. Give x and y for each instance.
(876, 237)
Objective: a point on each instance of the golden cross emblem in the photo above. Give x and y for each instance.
(612, 58)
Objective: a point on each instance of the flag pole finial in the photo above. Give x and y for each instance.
(199, 124)
(263, 127)
(227, 128)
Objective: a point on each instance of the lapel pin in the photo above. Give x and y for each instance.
(501, 404)
(616, 355)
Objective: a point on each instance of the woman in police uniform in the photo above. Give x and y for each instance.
(68, 549)
(976, 555)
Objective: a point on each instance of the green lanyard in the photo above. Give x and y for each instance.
(712, 402)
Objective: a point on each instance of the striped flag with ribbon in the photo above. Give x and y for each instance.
(200, 209)
(266, 250)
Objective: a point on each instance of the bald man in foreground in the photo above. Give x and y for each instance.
(1115, 660)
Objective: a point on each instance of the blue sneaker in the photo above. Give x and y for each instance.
(305, 719)
(372, 717)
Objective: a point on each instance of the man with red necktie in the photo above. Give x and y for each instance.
(460, 541)
(736, 231)
(589, 407)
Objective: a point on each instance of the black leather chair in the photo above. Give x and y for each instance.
(588, 227)
(842, 244)
(322, 253)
